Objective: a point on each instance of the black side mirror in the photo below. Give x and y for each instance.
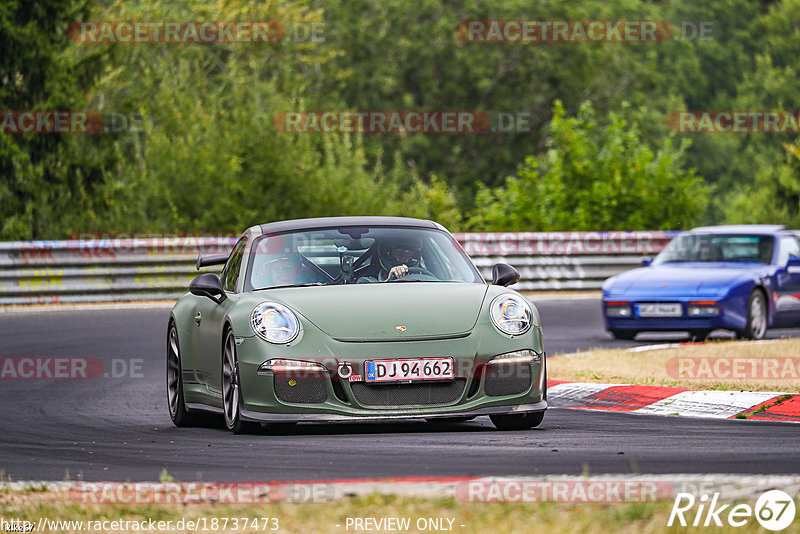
(793, 263)
(208, 285)
(646, 262)
(504, 275)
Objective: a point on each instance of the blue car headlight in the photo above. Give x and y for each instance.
(275, 323)
(702, 307)
(510, 314)
(618, 309)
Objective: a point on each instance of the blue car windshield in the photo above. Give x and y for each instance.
(699, 247)
(357, 255)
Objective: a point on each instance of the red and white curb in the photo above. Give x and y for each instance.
(751, 405)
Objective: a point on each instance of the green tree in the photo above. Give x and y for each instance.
(774, 195)
(210, 158)
(44, 179)
(407, 55)
(595, 176)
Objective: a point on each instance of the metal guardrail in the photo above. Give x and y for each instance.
(103, 270)
(563, 260)
(111, 270)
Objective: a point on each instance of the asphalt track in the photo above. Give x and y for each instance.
(118, 428)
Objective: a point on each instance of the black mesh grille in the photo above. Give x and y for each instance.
(338, 390)
(408, 394)
(306, 389)
(507, 379)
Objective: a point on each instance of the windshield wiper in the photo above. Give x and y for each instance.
(292, 285)
(403, 279)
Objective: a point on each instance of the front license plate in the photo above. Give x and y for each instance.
(411, 369)
(660, 309)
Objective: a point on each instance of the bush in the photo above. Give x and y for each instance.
(595, 176)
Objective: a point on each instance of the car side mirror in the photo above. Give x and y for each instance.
(793, 264)
(646, 262)
(504, 275)
(208, 285)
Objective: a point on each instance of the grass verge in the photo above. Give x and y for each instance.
(716, 365)
(331, 517)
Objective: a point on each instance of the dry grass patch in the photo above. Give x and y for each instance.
(633, 518)
(772, 365)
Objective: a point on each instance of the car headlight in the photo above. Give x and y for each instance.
(511, 314)
(702, 307)
(274, 323)
(298, 367)
(618, 309)
(519, 356)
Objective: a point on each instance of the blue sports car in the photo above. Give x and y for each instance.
(742, 278)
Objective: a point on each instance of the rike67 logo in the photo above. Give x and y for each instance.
(774, 510)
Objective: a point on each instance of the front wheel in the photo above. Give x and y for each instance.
(756, 317)
(231, 392)
(523, 421)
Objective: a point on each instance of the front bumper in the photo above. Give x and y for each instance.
(248, 415)
(732, 314)
(266, 397)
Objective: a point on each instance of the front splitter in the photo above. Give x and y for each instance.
(248, 415)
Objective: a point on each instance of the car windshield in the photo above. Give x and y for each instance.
(718, 248)
(357, 255)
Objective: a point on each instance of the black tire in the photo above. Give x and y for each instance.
(623, 334)
(756, 326)
(231, 392)
(180, 415)
(517, 421)
(700, 334)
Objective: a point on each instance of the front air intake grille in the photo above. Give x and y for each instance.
(306, 389)
(408, 394)
(507, 379)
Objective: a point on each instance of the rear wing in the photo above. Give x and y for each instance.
(214, 259)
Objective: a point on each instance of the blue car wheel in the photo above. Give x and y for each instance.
(756, 316)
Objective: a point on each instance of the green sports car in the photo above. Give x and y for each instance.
(350, 319)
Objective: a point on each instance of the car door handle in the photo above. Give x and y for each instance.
(198, 318)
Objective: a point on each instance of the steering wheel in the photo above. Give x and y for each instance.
(415, 270)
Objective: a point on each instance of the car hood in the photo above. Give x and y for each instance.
(378, 312)
(683, 279)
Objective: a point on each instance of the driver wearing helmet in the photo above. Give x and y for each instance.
(396, 256)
